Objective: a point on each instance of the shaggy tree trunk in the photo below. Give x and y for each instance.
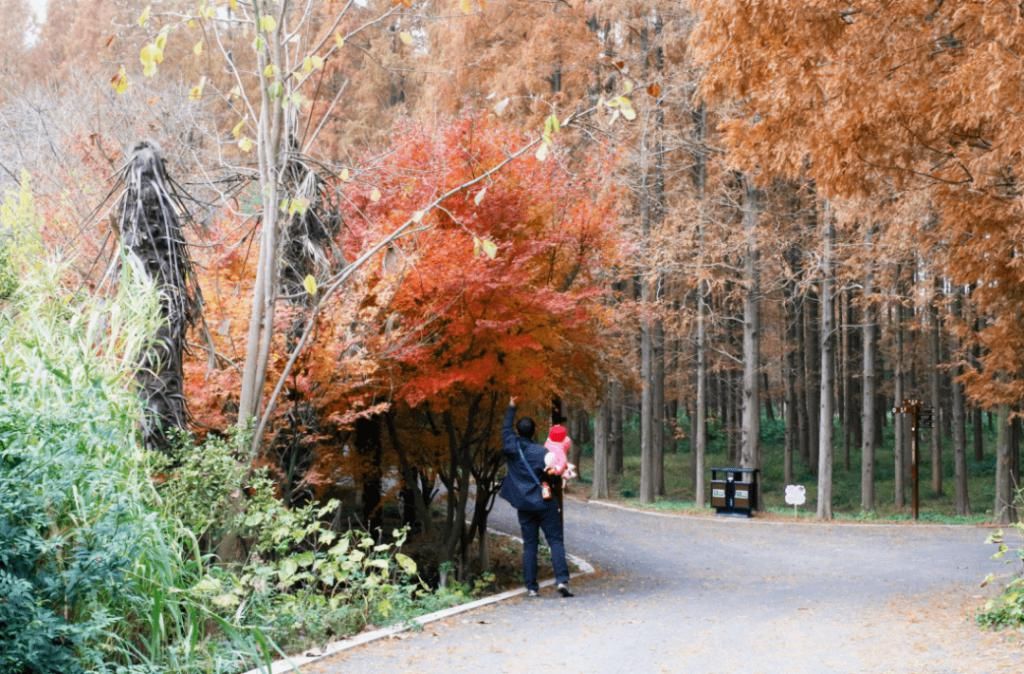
(154, 246)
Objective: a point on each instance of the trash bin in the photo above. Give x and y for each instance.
(734, 490)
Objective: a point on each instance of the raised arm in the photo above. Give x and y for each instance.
(508, 431)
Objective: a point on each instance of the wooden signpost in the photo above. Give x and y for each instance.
(920, 417)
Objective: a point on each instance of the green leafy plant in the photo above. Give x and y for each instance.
(1007, 609)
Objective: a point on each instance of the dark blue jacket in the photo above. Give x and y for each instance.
(519, 488)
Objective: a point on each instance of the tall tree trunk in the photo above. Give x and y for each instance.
(602, 428)
(846, 395)
(799, 358)
(658, 411)
(790, 405)
(1002, 510)
(976, 433)
(825, 431)
(900, 440)
(963, 503)
(769, 410)
(699, 426)
(933, 389)
(750, 452)
(812, 382)
(617, 439)
(647, 484)
(869, 382)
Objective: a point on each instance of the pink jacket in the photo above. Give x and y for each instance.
(557, 457)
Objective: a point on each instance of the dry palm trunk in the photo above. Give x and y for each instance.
(149, 224)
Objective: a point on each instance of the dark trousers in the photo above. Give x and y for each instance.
(550, 520)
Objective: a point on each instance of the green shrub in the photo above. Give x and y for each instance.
(1007, 610)
(91, 571)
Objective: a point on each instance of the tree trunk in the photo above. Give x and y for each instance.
(769, 410)
(602, 428)
(750, 447)
(867, 461)
(799, 358)
(963, 503)
(812, 383)
(976, 434)
(658, 408)
(647, 483)
(900, 439)
(790, 405)
(825, 430)
(1002, 510)
(618, 413)
(933, 389)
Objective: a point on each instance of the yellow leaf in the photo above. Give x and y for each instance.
(490, 248)
(309, 283)
(628, 112)
(479, 196)
(237, 131)
(161, 43)
(339, 40)
(268, 23)
(476, 246)
(120, 81)
(499, 108)
(233, 4)
(197, 91)
(245, 144)
(375, 195)
(208, 12)
(405, 37)
(542, 152)
(417, 216)
(148, 56)
(197, 49)
(269, 71)
(466, 6)
(235, 92)
(144, 17)
(345, 175)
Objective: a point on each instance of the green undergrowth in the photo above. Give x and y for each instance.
(846, 482)
(1007, 609)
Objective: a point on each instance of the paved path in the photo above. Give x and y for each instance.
(684, 594)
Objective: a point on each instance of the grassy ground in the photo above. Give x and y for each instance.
(846, 483)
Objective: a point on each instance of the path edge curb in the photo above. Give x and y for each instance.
(293, 663)
(760, 521)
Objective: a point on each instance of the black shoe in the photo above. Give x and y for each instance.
(563, 590)
(532, 593)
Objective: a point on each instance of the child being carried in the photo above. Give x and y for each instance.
(556, 461)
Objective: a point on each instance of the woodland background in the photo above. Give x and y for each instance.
(698, 232)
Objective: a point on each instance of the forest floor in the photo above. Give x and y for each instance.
(693, 594)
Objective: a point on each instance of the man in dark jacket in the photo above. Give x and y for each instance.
(522, 488)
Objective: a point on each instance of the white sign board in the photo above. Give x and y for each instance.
(796, 495)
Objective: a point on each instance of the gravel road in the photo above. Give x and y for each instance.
(698, 594)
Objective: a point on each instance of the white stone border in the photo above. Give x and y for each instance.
(810, 520)
(293, 663)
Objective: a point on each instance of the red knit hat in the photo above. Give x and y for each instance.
(557, 433)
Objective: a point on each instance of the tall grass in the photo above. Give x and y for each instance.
(93, 575)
